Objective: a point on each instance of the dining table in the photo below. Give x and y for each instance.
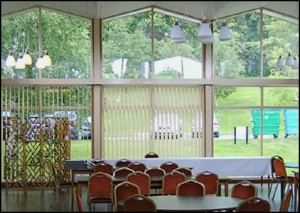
(195, 203)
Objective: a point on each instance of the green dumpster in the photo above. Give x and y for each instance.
(271, 122)
(291, 121)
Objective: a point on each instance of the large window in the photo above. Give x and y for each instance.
(154, 94)
(241, 56)
(176, 60)
(127, 46)
(247, 128)
(66, 39)
(128, 51)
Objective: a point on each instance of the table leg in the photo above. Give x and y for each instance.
(72, 188)
(226, 188)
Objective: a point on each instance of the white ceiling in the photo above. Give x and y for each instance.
(196, 9)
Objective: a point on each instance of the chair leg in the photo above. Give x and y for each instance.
(275, 190)
(270, 184)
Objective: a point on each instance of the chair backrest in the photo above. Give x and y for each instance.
(190, 188)
(139, 203)
(210, 181)
(272, 166)
(122, 172)
(142, 180)
(184, 170)
(104, 167)
(122, 191)
(96, 161)
(285, 202)
(151, 155)
(244, 190)
(254, 204)
(123, 163)
(79, 201)
(169, 166)
(171, 181)
(279, 168)
(155, 171)
(100, 184)
(137, 166)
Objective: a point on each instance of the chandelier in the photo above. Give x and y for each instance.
(25, 59)
(205, 33)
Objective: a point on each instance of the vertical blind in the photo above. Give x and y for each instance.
(139, 119)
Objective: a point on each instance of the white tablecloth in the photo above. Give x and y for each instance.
(223, 166)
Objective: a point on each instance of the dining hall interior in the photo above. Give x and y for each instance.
(209, 87)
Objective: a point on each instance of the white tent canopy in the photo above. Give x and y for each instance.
(189, 68)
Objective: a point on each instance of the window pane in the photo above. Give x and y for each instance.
(176, 60)
(280, 38)
(18, 34)
(139, 119)
(281, 96)
(239, 57)
(68, 41)
(236, 134)
(127, 46)
(236, 96)
(41, 103)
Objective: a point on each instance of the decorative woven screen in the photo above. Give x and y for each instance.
(30, 149)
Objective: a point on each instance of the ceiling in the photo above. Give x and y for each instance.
(194, 9)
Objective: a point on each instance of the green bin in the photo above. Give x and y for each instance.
(271, 122)
(291, 121)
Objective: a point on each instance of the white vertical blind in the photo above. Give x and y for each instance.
(134, 124)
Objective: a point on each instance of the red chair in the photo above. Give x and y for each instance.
(184, 170)
(254, 204)
(139, 203)
(100, 188)
(137, 166)
(210, 181)
(155, 171)
(151, 155)
(171, 181)
(142, 180)
(123, 163)
(122, 191)
(285, 202)
(244, 190)
(273, 176)
(190, 188)
(104, 167)
(169, 166)
(122, 172)
(280, 176)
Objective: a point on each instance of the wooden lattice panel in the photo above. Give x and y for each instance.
(31, 147)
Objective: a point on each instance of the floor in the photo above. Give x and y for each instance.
(60, 201)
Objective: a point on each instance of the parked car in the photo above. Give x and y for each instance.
(197, 122)
(86, 128)
(72, 116)
(167, 125)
